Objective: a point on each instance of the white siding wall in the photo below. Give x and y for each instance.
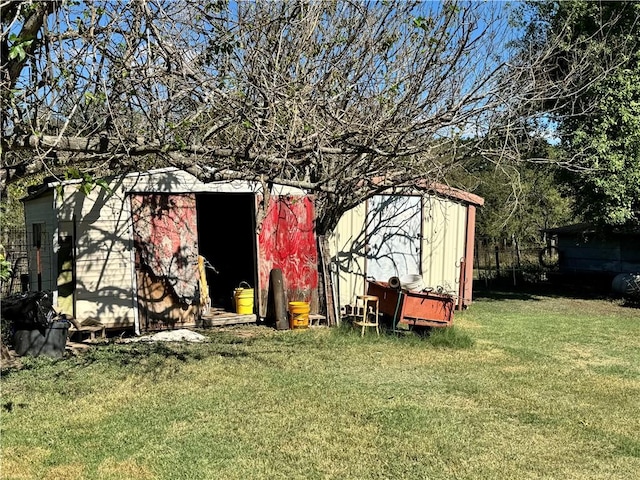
(103, 247)
(41, 211)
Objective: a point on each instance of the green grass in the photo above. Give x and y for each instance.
(521, 388)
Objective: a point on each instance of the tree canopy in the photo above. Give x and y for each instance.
(521, 200)
(599, 125)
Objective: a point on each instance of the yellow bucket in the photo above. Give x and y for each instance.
(299, 314)
(244, 299)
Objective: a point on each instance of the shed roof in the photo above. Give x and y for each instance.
(425, 185)
(586, 227)
(418, 187)
(450, 192)
(194, 185)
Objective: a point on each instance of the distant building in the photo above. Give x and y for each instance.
(599, 253)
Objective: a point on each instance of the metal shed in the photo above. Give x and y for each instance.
(427, 229)
(586, 251)
(131, 254)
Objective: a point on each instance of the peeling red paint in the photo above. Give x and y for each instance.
(165, 231)
(287, 241)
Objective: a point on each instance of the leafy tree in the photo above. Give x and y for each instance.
(599, 124)
(521, 199)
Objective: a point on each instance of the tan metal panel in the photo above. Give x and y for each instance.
(443, 246)
(394, 226)
(444, 231)
(348, 250)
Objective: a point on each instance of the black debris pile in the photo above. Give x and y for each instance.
(31, 310)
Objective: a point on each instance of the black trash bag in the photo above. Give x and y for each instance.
(32, 326)
(29, 310)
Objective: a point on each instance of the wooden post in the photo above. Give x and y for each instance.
(461, 286)
(326, 283)
(39, 267)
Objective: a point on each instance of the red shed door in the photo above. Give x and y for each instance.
(165, 236)
(287, 240)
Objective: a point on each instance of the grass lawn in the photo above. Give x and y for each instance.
(521, 388)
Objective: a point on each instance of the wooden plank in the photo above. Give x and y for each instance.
(208, 321)
(421, 322)
(91, 330)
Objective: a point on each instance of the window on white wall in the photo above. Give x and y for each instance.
(37, 234)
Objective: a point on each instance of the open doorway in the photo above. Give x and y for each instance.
(227, 240)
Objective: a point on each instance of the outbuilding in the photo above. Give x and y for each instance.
(425, 230)
(588, 254)
(151, 248)
(157, 248)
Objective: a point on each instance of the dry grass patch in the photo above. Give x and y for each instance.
(22, 462)
(130, 469)
(517, 391)
(73, 471)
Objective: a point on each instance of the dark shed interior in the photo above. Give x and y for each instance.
(227, 240)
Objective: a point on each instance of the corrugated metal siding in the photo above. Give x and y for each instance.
(443, 246)
(394, 226)
(610, 254)
(347, 248)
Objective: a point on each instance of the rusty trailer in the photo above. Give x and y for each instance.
(421, 309)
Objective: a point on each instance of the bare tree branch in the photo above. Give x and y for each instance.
(324, 95)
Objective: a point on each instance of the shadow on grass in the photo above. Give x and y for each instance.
(449, 337)
(149, 355)
(504, 295)
(137, 355)
(585, 291)
(441, 337)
